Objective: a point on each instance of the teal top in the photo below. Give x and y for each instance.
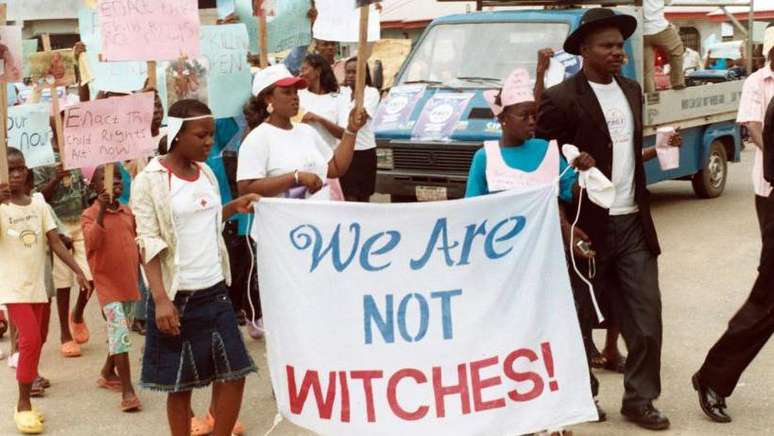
(526, 157)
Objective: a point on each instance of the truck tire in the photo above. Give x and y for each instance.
(711, 181)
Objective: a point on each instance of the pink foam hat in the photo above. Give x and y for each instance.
(516, 89)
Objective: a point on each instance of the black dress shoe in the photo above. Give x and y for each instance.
(646, 416)
(601, 412)
(712, 404)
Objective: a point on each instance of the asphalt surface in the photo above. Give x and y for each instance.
(711, 250)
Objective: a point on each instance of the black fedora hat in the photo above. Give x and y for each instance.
(597, 18)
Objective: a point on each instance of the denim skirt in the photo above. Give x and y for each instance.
(210, 347)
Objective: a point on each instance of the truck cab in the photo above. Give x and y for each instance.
(435, 116)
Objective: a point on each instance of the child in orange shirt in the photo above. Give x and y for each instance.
(114, 260)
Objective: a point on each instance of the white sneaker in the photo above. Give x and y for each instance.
(256, 331)
(13, 361)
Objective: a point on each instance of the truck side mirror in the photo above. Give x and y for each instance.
(378, 79)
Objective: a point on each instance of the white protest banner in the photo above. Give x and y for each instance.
(29, 130)
(339, 20)
(149, 30)
(110, 130)
(19, 10)
(226, 48)
(456, 318)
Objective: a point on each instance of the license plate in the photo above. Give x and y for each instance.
(431, 193)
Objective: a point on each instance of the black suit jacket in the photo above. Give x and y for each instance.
(571, 114)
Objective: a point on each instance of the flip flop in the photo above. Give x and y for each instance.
(70, 349)
(114, 386)
(598, 361)
(238, 430)
(131, 405)
(79, 331)
(44, 382)
(200, 427)
(27, 422)
(37, 390)
(618, 365)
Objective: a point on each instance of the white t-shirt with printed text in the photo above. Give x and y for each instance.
(620, 124)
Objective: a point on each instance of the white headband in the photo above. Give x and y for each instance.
(174, 124)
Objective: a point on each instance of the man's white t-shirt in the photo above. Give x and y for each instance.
(195, 208)
(269, 151)
(329, 106)
(366, 139)
(655, 21)
(620, 124)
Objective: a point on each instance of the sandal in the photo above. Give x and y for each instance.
(27, 422)
(598, 361)
(238, 430)
(618, 365)
(37, 390)
(131, 405)
(200, 427)
(138, 327)
(39, 414)
(44, 382)
(111, 385)
(70, 349)
(79, 331)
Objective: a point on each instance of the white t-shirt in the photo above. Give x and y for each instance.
(329, 106)
(366, 140)
(655, 21)
(620, 124)
(195, 206)
(269, 151)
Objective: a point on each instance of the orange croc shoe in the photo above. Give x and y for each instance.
(70, 349)
(239, 428)
(79, 331)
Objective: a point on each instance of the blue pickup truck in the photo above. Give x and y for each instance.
(435, 117)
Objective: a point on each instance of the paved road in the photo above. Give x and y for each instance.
(710, 255)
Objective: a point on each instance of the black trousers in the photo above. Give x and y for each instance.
(762, 208)
(751, 327)
(239, 252)
(628, 273)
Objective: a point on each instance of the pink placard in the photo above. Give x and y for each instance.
(149, 30)
(110, 130)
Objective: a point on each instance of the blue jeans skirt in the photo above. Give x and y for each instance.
(209, 348)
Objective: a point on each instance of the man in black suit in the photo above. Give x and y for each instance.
(601, 113)
(752, 326)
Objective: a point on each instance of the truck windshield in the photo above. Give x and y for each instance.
(480, 54)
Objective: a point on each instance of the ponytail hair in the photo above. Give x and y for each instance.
(256, 110)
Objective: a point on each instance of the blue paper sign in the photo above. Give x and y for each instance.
(225, 48)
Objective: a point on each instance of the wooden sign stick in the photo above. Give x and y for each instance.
(362, 57)
(263, 43)
(107, 182)
(55, 105)
(152, 78)
(3, 115)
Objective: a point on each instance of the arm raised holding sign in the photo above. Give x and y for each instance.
(300, 159)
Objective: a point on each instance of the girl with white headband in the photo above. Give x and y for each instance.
(192, 339)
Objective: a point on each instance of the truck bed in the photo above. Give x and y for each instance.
(692, 106)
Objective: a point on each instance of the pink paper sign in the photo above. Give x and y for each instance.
(149, 30)
(110, 130)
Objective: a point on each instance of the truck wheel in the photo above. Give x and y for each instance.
(403, 198)
(711, 181)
